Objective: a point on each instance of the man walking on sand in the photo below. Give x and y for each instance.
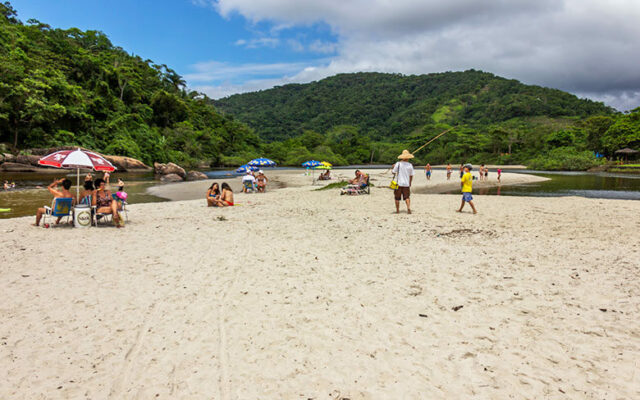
(403, 171)
(466, 182)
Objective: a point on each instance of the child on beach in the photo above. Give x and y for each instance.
(466, 183)
(427, 169)
(499, 173)
(449, 171)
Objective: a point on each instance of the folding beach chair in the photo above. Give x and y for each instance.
(248, 186)
(60, 207)
(357, 189)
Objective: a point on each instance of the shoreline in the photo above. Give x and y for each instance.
(296, 178)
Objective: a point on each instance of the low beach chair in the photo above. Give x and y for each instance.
(357, 189)
(248, 186)
(60, 207)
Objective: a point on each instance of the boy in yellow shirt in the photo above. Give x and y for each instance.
(466, 183)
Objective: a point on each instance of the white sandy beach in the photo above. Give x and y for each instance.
(299, 294)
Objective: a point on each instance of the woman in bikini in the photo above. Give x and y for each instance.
(104, 202)
(226, 199)
(262, 182)
(213, 195)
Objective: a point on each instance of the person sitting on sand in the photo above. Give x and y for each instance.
(105, 204)
(466, 183)
(213, 195)
(226, 198)
(261, 180)
(53, 189)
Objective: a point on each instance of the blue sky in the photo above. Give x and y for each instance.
(192, 37)
(588, 47)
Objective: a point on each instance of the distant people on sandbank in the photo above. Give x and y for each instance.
(325, 176)
(427, 170)
(449, 170)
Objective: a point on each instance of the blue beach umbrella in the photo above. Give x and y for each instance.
(311, 164)
(262, 162)
(244, 168)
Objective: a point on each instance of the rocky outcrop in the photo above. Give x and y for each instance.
(123, 163)
(16, 167)
(28, 160)
(196, 176)
(171, 178)
(169, 168)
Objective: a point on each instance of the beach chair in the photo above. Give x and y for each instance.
(60, 207)
(248, 186)
(357, 189)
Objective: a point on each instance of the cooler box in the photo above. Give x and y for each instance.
(82, 216)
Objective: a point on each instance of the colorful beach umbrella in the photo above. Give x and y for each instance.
(311, 164)
(244, 168)
(262, 162)
(326, 163)
(77, 159)
(323, 167)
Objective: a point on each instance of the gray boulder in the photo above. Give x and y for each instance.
(171, 178)
(196, 176)
(169, 168)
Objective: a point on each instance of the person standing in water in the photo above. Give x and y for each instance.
(466, 183)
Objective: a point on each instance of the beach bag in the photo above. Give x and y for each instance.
(394, 184)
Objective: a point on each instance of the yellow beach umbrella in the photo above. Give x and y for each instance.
(326, 164)
(323, 167)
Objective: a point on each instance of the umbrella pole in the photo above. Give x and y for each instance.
(78, 184)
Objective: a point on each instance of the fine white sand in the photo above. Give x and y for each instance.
(299, 294)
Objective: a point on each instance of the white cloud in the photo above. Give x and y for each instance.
(212, 71)
(584, 46)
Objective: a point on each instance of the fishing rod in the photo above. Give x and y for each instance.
(425, 145)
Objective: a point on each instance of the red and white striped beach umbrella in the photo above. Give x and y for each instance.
(77, 159)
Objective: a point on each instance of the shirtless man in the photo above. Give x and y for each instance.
(53, 189)
(355, 180)
(427, 170)
(449, 169)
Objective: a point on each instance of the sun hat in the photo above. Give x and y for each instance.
(468, 166)
(405, 155)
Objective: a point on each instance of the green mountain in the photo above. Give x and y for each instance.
(370, 117)
(69, 87)
(392, 106)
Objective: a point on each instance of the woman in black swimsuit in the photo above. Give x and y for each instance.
(104, 202)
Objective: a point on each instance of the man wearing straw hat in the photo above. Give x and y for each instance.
(403, 171)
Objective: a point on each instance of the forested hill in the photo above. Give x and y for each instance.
(386, 106)
(70, 87)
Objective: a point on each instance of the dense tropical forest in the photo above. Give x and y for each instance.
(364, 117)
(71, 87)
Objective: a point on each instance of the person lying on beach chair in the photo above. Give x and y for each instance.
(53, 189)
(359, 187)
